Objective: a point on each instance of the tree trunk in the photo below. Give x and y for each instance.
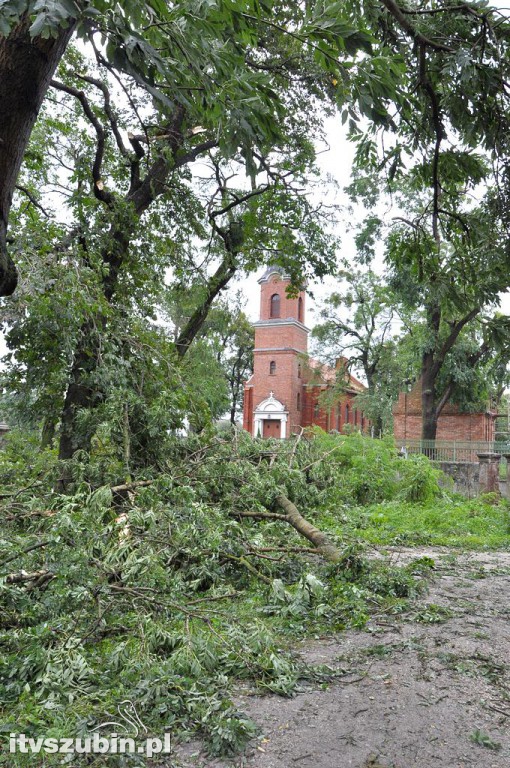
(80, 395)
(48, 432)
(428, 398)
(370, 375)
(216, 283)
(26, 68)
(377, 425)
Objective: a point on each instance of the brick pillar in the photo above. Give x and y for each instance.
(489, 472)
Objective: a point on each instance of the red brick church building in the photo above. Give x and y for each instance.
(284, 393)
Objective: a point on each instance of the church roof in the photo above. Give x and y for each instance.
(273, 269)
(329, 374)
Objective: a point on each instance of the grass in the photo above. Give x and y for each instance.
(482, 523)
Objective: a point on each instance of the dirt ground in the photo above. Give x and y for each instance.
(425, 690)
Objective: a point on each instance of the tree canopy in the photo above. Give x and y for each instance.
(229, 75)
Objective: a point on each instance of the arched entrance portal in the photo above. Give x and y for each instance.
(270, 419)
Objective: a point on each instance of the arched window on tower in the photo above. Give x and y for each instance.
(346, 414)
(300, 309)
(299, 401)
(274, 309)
(299, 371)
(272, 368)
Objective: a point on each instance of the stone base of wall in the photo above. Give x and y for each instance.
(465, 477)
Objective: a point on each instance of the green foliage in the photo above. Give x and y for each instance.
(166, 596)
(438, 161)
(433, 614)
(83, 332)
(452, 521)
(484, 740)
(357, 322)
(418, 479)
(364, 471)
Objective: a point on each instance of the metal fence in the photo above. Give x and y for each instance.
(453, 450)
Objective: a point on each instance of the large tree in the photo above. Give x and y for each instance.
(360, 321)
(444, 160)
(231, 62)
(139, 213)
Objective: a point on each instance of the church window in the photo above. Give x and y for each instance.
(299, 371)
(316, 410)
(274, 310)
(272, 368)
(346, 414)
(298, 401)
(300, 309)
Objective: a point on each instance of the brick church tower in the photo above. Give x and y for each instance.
(273, 396)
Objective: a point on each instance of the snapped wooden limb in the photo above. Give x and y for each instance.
(34, 579)
(322, 544)
(319, 539)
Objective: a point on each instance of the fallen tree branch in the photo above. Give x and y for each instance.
(319, 539)
(249, 567)
(35, 513)
(286, 550)
(295, 446)
(263, 516)
(130, 486)
(22, 576)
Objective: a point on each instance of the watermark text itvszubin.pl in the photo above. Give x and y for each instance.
(113, 744)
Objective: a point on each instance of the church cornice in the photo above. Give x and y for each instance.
(280, 349)
(277, 323)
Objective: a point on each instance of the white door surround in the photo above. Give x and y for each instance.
(270, 409)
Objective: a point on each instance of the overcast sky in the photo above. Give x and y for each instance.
(335, 161)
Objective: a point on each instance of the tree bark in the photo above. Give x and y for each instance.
(319, 539)
(26, 68)
(48, 432)
(79, 395)
(432, 362)
(428, 397)
(217, 282)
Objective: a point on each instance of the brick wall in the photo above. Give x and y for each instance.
(248, 409)
(285, 382)
(289, 308)
(278, 334)
(281, 341)
(338, 417)
(451, 425)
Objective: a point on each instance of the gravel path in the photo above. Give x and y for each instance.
(427, 690)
